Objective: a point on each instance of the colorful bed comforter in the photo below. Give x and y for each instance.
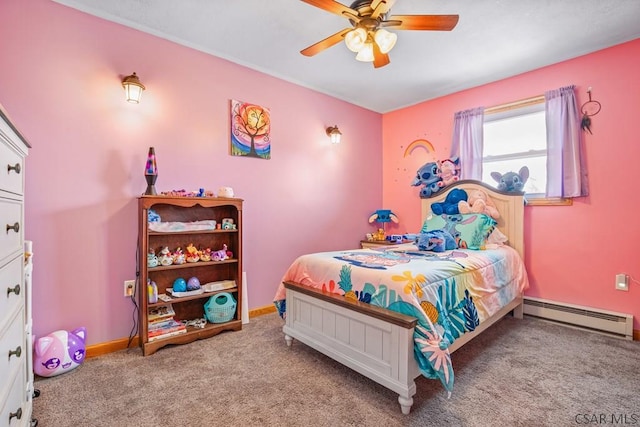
(450, 293)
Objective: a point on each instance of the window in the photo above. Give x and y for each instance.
(517, 137)
(513, 139)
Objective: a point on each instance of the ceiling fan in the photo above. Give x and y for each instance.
(368, 35)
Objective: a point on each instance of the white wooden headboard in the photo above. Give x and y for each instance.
(510, 206)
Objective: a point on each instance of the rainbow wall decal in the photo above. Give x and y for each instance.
(419, 143)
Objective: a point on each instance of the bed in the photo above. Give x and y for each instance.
(393, 314)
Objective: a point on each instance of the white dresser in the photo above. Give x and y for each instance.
(16, 376)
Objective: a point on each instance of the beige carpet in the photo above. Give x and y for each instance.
(518, 373)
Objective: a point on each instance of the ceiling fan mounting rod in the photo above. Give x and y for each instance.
(368, 24)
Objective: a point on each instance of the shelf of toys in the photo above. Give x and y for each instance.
(186, 243)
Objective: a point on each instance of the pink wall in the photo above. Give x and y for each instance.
(60, 82)
(572, 252)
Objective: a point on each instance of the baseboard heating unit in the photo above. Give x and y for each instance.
(608, 322)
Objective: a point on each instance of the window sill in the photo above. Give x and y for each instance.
(555, 201)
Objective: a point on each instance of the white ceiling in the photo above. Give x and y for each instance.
(494, 39)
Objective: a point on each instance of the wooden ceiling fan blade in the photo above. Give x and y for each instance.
(422, 22)
(326, 43)
(332, 6)
(379, 59)
(380, 7)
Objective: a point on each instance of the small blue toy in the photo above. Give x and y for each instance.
(511, 181)
(436, 241)
(179, 285)
(427, 176)
(152, 216)
(450, 204)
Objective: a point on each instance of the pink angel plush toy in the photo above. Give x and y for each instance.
(448, 171)
(478, 202)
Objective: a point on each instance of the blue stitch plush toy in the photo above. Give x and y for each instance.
(427, 176)
(436, 241)
(511, 181)
(450, 204)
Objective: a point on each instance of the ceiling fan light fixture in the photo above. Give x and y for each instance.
(386, 40)
(355, 39)
(366, 53)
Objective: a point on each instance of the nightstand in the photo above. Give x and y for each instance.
(372, 244)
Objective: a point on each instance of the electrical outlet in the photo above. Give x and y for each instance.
(129, 286)
(622, 282)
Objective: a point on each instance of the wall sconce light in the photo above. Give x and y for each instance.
(132, 88)
(334, 133)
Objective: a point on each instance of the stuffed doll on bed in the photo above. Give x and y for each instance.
(434, 240)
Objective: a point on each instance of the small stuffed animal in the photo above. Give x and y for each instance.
(436, 241)
(220, 255)
(511, 181)
(479, 202)
(428, 177)
(448, 172)
(450, 204)
(59, 352)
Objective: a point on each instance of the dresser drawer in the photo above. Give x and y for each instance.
(11, 168)
(14, 411)
(11, 297)
(11, 239)
(13, 349)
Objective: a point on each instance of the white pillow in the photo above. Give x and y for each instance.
(497, 237)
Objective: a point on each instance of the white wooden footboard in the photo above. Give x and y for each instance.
(378, 345)
(375, 342)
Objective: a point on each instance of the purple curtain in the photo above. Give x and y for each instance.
(467, 142)
(566, 167)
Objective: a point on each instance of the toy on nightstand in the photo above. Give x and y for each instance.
(59, 352)
(394, 238)
(382, 216)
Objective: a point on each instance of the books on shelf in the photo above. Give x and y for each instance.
(167, 329)
(168, 334)
(160, 312)
(161, 323)
(164, 325)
